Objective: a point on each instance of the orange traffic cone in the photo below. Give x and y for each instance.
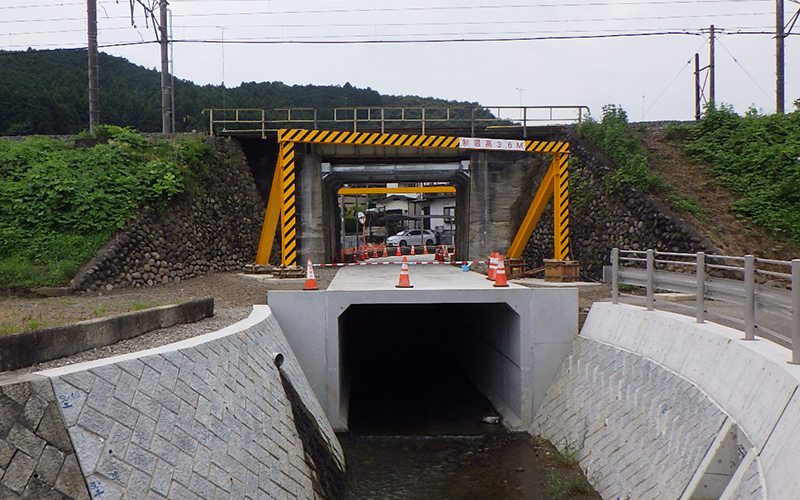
(412, 250)
(446, 254)
(438, 257)
(399, 253)
(311, 282)
(500, 274)
(492, 266)
(385, 252)
(404, 278)
(424, 249)
(375, 253)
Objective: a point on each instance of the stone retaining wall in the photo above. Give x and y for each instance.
(209, 417)
(215, 228)
(600, 221)
(656, 406)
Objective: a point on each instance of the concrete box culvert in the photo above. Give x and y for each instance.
(508, 342)
(436, 368)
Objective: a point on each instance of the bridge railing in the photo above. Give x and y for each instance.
(758, 296)
(414, 119)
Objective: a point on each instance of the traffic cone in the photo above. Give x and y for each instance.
(404, 278)
(446, 254)
(385, 252)
(438, 257)
(412, 250)
(424, 249)
(492, 266)
(399, 253)
(375, 253)
(500, 274)
(311, 282)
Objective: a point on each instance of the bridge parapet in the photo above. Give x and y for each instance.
(469, 120)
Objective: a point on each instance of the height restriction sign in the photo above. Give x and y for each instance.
(495, 144)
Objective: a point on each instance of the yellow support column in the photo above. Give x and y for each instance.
(271, 216)
(532, 216)
(288, 204)
(561, 206)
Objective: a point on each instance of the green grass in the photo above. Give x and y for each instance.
(566, 483)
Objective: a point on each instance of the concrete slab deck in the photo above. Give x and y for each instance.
(422, 277)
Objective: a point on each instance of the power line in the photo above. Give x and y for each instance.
(746, 72)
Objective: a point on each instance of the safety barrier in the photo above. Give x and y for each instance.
(748, 282)
(410, 263)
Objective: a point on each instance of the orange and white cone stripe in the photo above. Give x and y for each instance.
(311, 282)
(500, 274)
(405, 281)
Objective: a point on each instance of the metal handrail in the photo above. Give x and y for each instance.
(748, 294)
(379, 117)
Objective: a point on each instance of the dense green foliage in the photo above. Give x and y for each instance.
(613, 136)
(45, 92)
(60, 203)
(757, 156)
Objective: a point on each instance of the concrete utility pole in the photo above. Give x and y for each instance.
(94, 66)
(166, 107)
(712, 68)
(697, 108)
(779, 57)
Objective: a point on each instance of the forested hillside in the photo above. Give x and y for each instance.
(45, 92)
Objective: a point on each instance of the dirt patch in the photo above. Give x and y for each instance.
(704, 204)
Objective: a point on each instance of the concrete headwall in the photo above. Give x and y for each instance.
(657, 406)
(209, 417)
(512, 362)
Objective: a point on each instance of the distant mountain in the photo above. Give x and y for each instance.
(46, 92)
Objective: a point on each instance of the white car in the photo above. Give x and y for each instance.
(412, 237)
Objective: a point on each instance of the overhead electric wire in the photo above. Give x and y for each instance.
(683, 68)
(772, 100)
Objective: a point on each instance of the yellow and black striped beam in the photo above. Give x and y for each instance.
(547, 147)
(369, 139)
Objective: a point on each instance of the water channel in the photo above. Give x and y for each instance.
(417, 432)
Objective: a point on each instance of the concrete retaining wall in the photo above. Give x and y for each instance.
(209, 417)
(658, 406)
(28, 348)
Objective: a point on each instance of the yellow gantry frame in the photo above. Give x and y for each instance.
(282, 197)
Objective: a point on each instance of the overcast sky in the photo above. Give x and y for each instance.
(650, 76)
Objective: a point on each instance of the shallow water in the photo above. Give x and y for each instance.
(488, 467)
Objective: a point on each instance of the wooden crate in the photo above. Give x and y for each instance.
(561, 270)
(515, 268)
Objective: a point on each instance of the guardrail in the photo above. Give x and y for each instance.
(256, 120)
(771, 287)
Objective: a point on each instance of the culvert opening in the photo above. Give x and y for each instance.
(427, 369)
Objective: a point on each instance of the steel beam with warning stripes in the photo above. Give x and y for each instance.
(282, 201)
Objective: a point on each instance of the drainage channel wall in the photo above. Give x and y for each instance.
(209, 417)
(656, 406)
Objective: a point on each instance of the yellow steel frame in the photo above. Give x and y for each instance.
(424, 189)
(281, 204)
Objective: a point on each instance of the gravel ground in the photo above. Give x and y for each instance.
(234, 295)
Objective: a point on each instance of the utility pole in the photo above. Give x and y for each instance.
(697, 110)
(779, 57)
(166, 107)
(94, 66)
(712, 68)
